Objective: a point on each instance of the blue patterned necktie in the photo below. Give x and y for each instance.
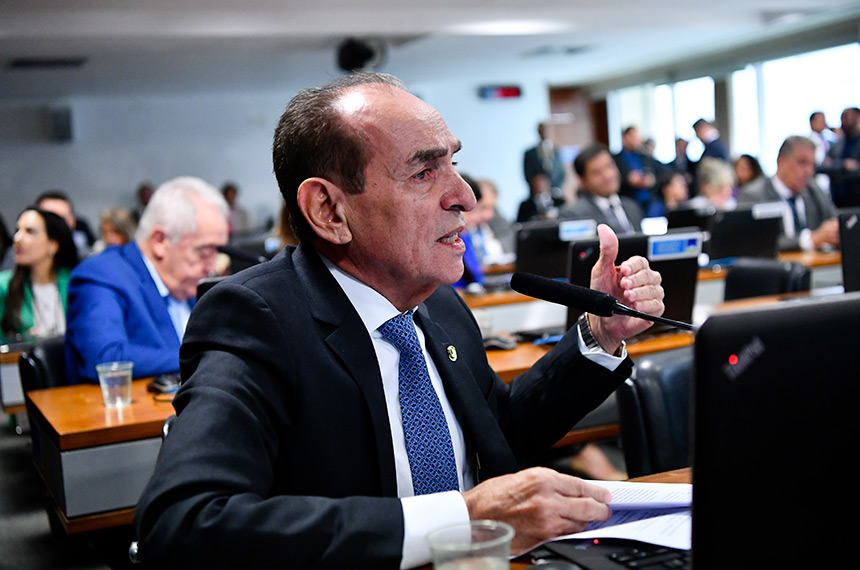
(428, 441)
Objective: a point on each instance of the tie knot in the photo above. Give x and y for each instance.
(399, 330)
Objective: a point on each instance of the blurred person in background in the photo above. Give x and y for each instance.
(33, 293)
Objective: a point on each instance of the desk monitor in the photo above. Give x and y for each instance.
(849, 239)
(775, 429)
(674, 254)
(748, 231)
(542, 246)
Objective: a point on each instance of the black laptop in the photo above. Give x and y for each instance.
(849, 239)
(750, 230)
(674, 254)
(775, 433)
(542, 245)
(774, 436)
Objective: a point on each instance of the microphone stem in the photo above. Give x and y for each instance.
(619, 308)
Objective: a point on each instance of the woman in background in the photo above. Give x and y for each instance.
(117, 228)
(747, 169)
(33, 293)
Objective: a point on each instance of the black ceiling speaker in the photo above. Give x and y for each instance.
(360, 54)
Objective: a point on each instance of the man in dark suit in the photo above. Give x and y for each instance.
(294, 442)
(842, 163)
(599, 199)
(639, 171)
(809, 216)
(545, 158)
(132, 302)
(710, 137)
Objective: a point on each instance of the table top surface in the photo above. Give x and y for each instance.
(75, 417)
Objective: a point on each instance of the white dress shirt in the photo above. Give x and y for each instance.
(179, 311)
(423, 513)
(805, 237)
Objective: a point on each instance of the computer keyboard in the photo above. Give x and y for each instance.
(651, 556)
(619, 554)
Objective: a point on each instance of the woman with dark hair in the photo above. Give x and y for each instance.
(33, 293)
(747, 169)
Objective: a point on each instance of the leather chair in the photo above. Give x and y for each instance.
(43, 365)
(654, 412)
(754, 277)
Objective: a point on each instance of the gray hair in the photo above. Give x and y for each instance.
(791, 144)
(715, 172)
(172, 206)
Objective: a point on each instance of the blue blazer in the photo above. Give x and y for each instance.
(116, 313)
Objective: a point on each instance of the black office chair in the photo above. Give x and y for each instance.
(754, 277)
(654, 412)
(43, 365)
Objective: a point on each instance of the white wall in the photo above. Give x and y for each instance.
(118, 142)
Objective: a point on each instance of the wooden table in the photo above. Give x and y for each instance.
(95, 460)
(510, 363)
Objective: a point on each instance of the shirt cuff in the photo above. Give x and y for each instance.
(424, 513)
(600, 356)
(805, 240)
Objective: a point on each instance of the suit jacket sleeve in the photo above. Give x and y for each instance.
(280, 453)
(109, 320)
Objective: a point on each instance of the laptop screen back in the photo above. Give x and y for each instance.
(775, 432)
(542, 246)
(750, 231)
(849, 238)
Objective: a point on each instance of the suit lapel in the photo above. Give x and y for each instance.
(485, 439)
(349, 341)
(154, 301)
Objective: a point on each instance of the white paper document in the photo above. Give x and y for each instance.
(656, 513)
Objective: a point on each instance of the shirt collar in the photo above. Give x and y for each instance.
(159, 283)
(784, 191)
(373, 308)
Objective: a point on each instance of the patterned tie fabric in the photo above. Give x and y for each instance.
(428, 441)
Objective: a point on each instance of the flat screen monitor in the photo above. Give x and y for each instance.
(775, 427)
(750, 230)
(849, 240)
(542, 246)
(674, 254)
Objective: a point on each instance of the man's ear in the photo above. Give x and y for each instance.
(322, 204)
(158, 242)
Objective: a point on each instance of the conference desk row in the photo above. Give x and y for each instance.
(95, 461)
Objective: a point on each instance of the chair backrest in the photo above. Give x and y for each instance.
(753, 277)
(654, 412)
(43, 365)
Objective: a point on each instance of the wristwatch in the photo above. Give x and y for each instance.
(585, 330)
(588, 338)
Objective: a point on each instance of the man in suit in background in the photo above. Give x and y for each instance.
(809, 216)
(639, 171)
(337, 401)
(132, 302)
(545, 158)
(710, 137)
(599, 199)
(842, 163)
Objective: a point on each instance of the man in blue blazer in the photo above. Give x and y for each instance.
(291, 444)
(132, 302)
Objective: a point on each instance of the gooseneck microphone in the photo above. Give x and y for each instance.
(582, 298)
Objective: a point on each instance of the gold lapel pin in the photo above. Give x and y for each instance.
(452, 353)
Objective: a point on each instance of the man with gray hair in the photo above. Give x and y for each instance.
(809, 218)
(132, 302)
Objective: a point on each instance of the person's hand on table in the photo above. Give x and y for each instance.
(539, 503)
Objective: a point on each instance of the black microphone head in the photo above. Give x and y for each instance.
(582, 298)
